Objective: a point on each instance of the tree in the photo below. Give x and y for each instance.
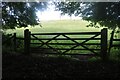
(102, 13)
(21, 14)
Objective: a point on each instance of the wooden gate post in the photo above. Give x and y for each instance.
(26, 41)
(14, 40)
(104, 54)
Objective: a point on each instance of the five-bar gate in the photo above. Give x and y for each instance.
(73, 43)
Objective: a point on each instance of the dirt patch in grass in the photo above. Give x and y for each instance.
(31, 67)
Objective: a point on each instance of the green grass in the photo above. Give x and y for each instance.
(58, 26)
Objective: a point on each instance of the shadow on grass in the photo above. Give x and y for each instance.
(32, 67)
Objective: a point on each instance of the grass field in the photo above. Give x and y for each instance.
(58, 26)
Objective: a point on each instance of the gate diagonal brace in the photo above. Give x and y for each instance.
(38, 40)
(46, 43)
(80, 44)
(52, 38)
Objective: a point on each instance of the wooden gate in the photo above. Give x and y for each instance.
(67, 43)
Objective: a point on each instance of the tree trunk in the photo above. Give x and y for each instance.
(119, 33)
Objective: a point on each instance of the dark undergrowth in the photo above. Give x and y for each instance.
(52, 68)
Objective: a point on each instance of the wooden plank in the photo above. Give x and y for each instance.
(52, 38)
(36, 38)
(68, 43)
(72, 54)
(64, 49)
(64, 39)
(70, 39)
(58, 38)
(104, 38)
(14, 40)
(72, 33)
(50, 47)
(116, 39)
(76, 43)
(45, 43)
(27, 41)
(39, 40)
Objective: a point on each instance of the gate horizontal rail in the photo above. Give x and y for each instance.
(68, 48)
(72, 33)
(66, 37)
(68, 43)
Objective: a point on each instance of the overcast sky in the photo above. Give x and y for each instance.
(51, 14)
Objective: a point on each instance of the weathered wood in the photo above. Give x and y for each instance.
(75, 42)
(116, 39)
(68, 43)
(72, 54)
(64, 48)
(26, 41)
(82, 43)
(64, 39)
(70, 33)
(104, 54)
(14, 40)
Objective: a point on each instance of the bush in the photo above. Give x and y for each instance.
(8, 43)
(115, 54)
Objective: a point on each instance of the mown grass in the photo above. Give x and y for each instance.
(58, 26)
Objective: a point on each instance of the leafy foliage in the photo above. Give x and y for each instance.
(5, 39)
(20, 14)
(104, 13)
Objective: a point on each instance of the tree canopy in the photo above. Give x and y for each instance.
(21, 14)
(103, 13)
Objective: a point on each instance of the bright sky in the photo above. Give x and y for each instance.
(51, 14)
